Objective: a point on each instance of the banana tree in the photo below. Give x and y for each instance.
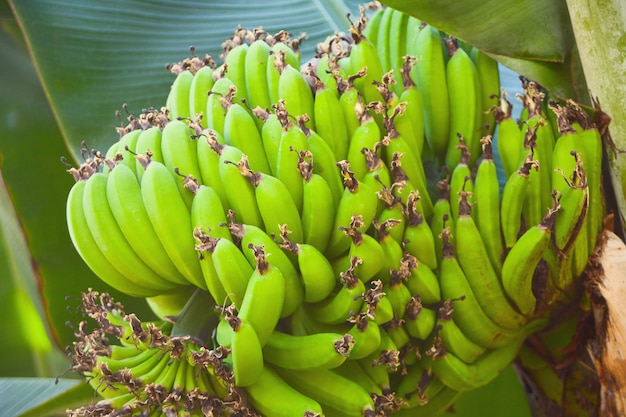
(72, 67)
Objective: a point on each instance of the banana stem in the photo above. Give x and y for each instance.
(599, 29)
(197, 319)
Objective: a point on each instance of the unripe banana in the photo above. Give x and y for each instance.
(201, 84)
(442, 216)
(449, 336)
(347, 300)
(171, 220)
(487, 205)
(363, 54)
(317, 206)
(110, 239)
(366, 336)
(520, 263)
(430, 76)
(281, 54)
(464, 96)
(489, 80)
(414, 110)
(325, 164)
(330, 122)
(470, 316)
(350, 99)
(392, 250)
(125, 201)
(126, 147)
(90, 252)
(246, 353)
(383, 35)
(419, 321)
(149, 140)
(240, 131)
(418, 238)
(510, 140)
(222, 91)
(271, 132)
(235, 69)
(240, 191)
(178, 97)
(316, 271)
(257, 84)
(264, 296)
(294, 89)
(275, 203)
(248, 234)
(422, 281)
(473, 257)
(358, 199)
(180, 156)
(332, 389)
(367, 135)
(208, 145)
(232, 268)
(574, 202)
(397, 45)
(460, 179)
(513, 196)
(273, 397)
(311, 352)
(292, 142)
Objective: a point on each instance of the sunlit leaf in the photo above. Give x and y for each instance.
(36, 190)
(42, 397)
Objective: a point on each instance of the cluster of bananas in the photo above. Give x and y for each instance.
(351, 229)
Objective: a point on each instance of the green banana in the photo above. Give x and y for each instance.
(452, 338)
(367, 135)
(489, 80)
(461, 178)
(223, 91)
(423, 281)
(264, 297)
(208, 145)
(442, 216)
(366, 335)
(470, 316)
(240, 192)
(109, 237)
(363, 54)
(317, 205)
(330, 388)
(358, 199)
(246, 353)
(330, 123)
(126, 147)
(180, 156)
(418, 238)
(275, 203)
(271, 133)
(310, 352)
(460, 376)
(273, 397)
(171, 220)
(294, 89)
(419, 321)
(513, 196)
(232, 268)
(235, 69)
(281, 55)
(473, 257)
(292, 142)
(148, 140)
(178, 97)
(257, 84)
(519, 265)
(315, 270)
(240, 131)
(124, 198)
(248, 235)
(487, 205)
(430, 76)
(509, 139)
(201, 84)
(464, 98)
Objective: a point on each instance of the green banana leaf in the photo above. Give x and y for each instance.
(91, 57)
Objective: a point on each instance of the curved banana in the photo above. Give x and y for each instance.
(473, 257)
(171, 220)
(110, 239)
(489, 80)
(273, 397)
(430, 76)
(292, 142)
(330, 123)
(90, 252)
(424, 282)
(180, 156)
(149, 140)
(487, 205)
(519, 265)
(126, 203)
(310, 352)
(235, 69)
(246, 354)
(418, 238)
(208, 148)
(201, 84)
(509, 139)
(419, 321)
(223, 91)
(240, 131)
(449, 336)
(363, 54)
(513, 196)
(264, 296)
(294, 89)
(330, 388)
(257, 84)
(177, 100)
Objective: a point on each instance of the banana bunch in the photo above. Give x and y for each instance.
(345, 218)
